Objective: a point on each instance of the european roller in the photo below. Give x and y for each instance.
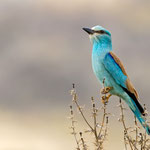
(106, 65)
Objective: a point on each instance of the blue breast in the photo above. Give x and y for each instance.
(98, 66)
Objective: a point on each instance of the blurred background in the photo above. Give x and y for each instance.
(43, 50)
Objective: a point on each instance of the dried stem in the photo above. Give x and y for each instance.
(103, 119)
(84, 146)
(137, 141)
(104, 112)
(79, 108)
(105, 132)
(123, 122)
(144, 140)
(144, 144)
(141, 141)
(136, 131)
(73, 127)
(125, 144)
(99, 138)
(95, 120)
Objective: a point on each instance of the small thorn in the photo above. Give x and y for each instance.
(73, 85)
(120, 100)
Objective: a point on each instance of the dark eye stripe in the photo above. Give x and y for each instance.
(101, 32)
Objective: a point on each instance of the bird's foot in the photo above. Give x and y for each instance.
(105, 90)
(105, 98)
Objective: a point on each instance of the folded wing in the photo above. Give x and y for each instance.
(115, 67)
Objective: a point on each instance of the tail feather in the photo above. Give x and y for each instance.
(134, 99)
(137, 109)
(140, 117)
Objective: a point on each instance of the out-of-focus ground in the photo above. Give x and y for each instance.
(43, 50)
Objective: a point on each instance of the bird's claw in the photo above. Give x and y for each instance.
(105, 90)
(105, 98)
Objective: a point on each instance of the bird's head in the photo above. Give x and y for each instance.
(98, 34)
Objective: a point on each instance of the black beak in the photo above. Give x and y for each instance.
(88, 30)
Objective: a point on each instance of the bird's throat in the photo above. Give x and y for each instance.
(100, 49)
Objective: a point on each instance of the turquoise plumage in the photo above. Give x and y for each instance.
(106, 65)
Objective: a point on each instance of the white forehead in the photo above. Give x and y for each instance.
(97, 28)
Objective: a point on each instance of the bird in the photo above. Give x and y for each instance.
(110, 71)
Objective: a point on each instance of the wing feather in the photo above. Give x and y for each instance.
(117, 70)
(128, 83)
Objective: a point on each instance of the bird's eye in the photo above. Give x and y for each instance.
(102, 31)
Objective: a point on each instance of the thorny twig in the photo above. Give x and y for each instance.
(123, 122)
(74, 99)
(144, 143)
(136, 131)
(106, 128)
(84, 146)
(73, 127)
(104, 112)
(139, 142)
(94, 114)
(99, 138)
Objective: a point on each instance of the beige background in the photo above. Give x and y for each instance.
(43, 50)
